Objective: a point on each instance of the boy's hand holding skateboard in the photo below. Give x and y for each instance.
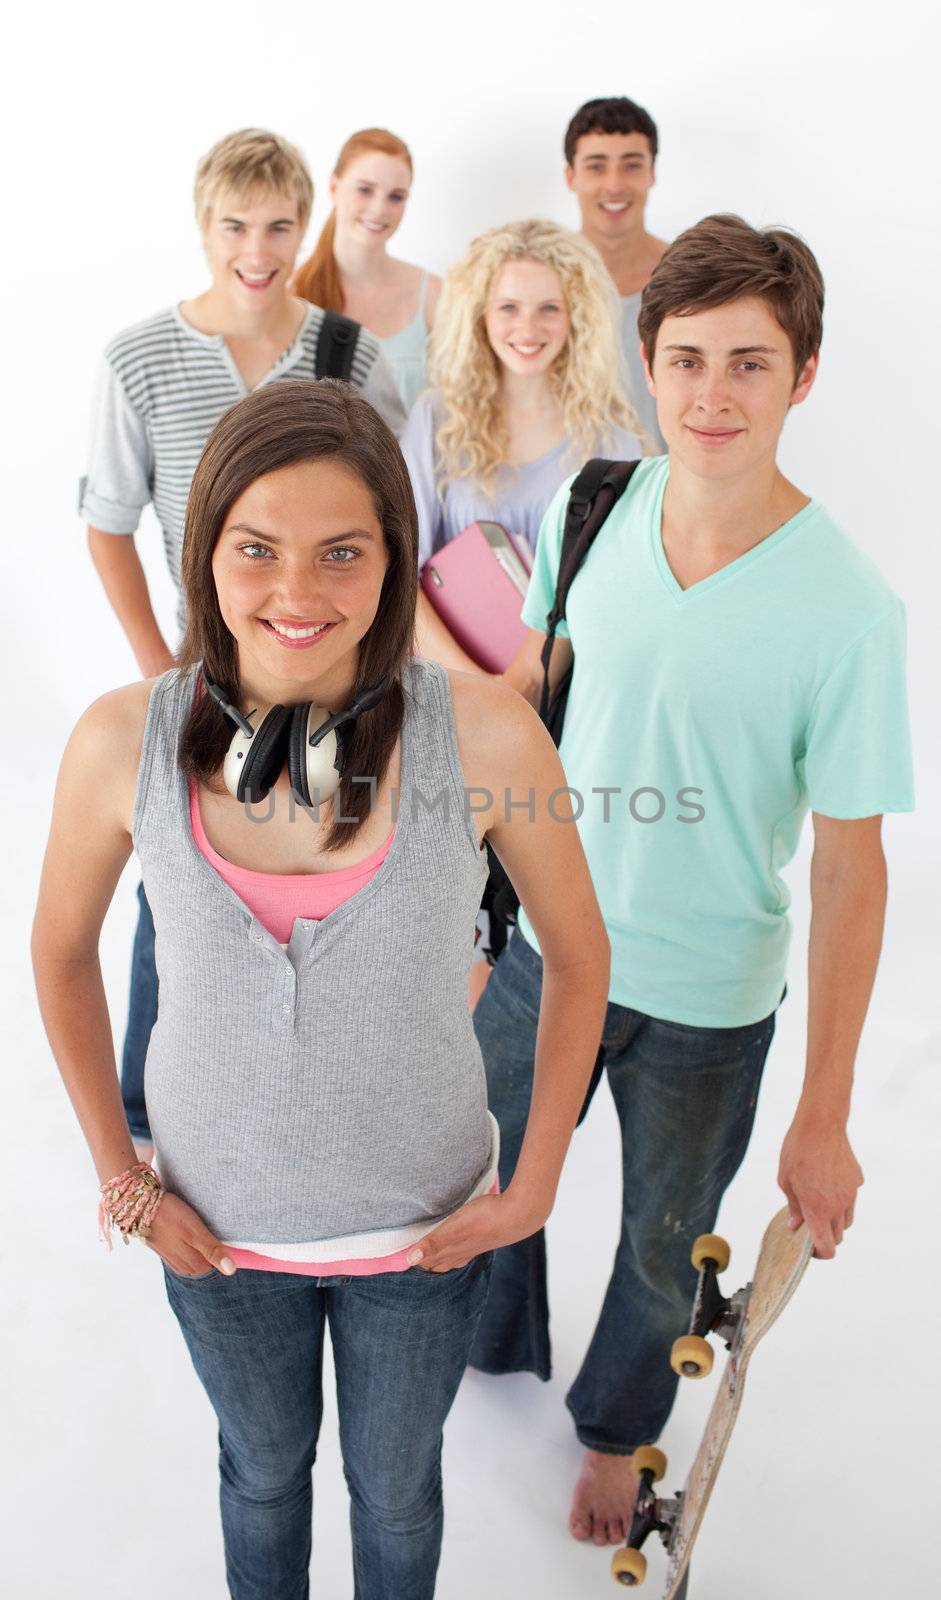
(820, 1177)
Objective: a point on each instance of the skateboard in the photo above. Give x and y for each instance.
(741, 1321)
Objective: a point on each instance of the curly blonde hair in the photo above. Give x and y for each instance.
(472, 439)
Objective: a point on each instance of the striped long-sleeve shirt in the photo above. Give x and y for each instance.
(162, 388)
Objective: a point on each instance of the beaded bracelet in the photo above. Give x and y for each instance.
(129, 1203)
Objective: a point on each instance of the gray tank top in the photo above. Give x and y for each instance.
(333, 1087)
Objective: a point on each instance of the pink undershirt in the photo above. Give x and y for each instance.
(276, 898)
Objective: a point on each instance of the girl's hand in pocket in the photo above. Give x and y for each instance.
(483, 1224)
(182, 1240)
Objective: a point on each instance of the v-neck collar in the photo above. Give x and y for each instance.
(217, 341)
(538, 461)
(732, 569)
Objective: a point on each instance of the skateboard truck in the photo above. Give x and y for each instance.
(629, 1565)
(692, 1355)
(743, 1320)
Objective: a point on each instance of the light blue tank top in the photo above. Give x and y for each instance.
(405, 351)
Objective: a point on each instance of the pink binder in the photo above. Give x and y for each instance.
(477, 583)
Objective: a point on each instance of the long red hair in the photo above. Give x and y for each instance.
(318, 280)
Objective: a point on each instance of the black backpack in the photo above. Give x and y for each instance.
(336, 346)
(593, 495)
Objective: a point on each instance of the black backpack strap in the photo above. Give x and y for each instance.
(336, 346)
(592, 497)
(594, 492)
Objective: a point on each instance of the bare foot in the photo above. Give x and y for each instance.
(604, 1498)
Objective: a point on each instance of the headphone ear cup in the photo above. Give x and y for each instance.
(264, 757)
(312, 767)
(297, 753)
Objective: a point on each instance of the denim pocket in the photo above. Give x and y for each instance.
(188, 1277)
(475, 1263)
(743, 1032)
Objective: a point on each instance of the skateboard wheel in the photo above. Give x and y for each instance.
(629, 1567)
(691, 1357)
(710, 1247)
(647, 1458)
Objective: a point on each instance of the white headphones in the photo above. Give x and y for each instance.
(305, 735)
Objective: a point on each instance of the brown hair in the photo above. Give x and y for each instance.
(614, 115)
(277, 426)
(722, 258)
(253, 161)
(318, 280)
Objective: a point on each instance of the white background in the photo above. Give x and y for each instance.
(821, 116)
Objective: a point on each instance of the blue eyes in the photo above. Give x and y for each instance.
(347, 552)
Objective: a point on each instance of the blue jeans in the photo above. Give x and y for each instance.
(685, 1099)
(400, 1344)
(141, 1016)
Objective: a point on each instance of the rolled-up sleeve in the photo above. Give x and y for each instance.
(117, 485)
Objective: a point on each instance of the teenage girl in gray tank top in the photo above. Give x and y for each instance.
(328, 1089)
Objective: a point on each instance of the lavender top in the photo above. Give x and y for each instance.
(521, 495)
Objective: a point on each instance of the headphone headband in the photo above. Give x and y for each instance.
(364, 701)
(257, 755)
(233, 715)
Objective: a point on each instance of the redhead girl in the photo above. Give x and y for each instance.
(350, 269)
(325, 1156)
(524, 368)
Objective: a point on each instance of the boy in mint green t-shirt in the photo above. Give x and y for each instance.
(738, 662)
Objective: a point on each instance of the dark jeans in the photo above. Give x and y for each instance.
(685, 1099)
(141, 1016)
(400, 1344)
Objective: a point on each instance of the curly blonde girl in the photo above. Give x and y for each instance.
(472, 439)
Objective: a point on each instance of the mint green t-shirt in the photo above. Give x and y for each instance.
(715, 717)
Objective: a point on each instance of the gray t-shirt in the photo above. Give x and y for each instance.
(162, 387)
(521, 495)
(633, 371)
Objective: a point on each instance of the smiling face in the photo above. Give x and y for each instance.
(611, 177)
(251, 246)
(370, 197)
(724, 381)
(298, 570)
(526, 317)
